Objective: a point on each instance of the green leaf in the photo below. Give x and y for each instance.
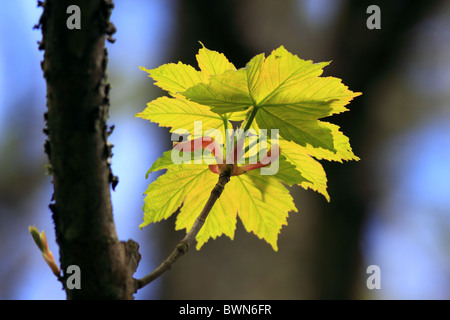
(263, 205)
(224, 93)
(180, 114)
(312, 171)
(167, 193)
(222, 217)
(166, 161)
(280, 92)
(175, 78)
(213, 63)
(261, 202)
(313, 133)
(289, 174)
(341, 144)
(191, 185)
(288, 92)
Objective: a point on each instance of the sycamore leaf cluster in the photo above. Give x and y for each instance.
(280, 91)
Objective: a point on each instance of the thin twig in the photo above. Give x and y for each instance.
(182, 247)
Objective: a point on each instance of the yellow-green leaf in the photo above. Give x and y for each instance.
(280, 92)
(310, 169)
(262, 202)
(213, 63)
(343, 150)
(222, 217)
(263, 205)
(180, 114)
(175, 78)
(167, 193)
(287, 91)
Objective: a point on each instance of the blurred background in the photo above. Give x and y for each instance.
(391, 209)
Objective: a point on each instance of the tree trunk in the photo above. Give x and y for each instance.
(74, 67)
(363, 58)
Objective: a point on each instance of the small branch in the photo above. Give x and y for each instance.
(250, 119)
(238, 144)
(41, 241)
(182, 247)
(225, 126)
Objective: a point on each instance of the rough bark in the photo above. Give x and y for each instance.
(74, 67)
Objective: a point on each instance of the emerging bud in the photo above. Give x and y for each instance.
(41, 241)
